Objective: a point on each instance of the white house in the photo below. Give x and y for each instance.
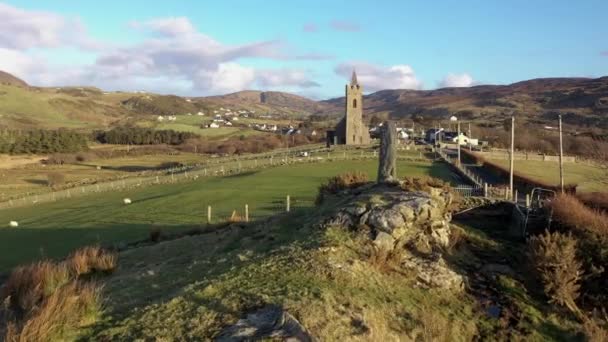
(464, 140)
(214, 125)
(200, 114)
(402, 135)
(160, 118)
(228, 123)
(236, 118)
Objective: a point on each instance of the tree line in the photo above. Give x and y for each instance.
(142, 136)
(42, 141)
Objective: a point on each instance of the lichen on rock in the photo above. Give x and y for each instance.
(416, 221)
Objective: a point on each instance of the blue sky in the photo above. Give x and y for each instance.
(305, 47)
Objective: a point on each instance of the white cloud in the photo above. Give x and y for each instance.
(456, 80)
(377, 77)
(274, 78)
(173, 57)
(22, 29)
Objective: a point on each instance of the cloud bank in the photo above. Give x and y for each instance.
(173, 57)
(377, 77)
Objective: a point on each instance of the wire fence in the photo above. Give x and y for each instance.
(213, 167)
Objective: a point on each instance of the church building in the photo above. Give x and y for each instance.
(351, 130)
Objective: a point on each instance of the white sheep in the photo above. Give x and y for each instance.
(126, 201)
(14, 224)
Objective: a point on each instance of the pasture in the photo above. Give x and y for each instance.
(588, 177)
(55, 229)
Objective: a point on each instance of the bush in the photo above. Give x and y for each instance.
(595, 200)
(341, 182)
(591, 229)
(55, 179)
(423, 184)
(553, 255)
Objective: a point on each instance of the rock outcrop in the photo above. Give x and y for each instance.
(417, 222)
(270, 322)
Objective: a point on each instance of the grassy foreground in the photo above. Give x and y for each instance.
(55, 229)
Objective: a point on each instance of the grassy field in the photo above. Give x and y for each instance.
(20, 175)
(588, 177)
(54, 229)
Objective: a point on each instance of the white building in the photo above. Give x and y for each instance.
(214, 125)
(464, 140)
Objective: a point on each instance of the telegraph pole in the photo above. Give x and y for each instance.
(512, 155)
(561, 156)
(458, 141)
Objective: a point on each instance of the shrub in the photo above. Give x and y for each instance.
(423, 184)
(553, 255)
(92, 259)
(341, 182)
(591, 229)
(55, 179)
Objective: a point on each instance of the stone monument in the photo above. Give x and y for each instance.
(387, 168)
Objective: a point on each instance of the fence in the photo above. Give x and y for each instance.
(212, 167)
(251, 212)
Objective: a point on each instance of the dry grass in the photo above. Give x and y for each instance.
(595, 200)
(385, 260)
(340, 183)
(595, 330)
(28, 285)
(571, 212)
(423, 184)
(69, 307)
(46, 300)
(92, 259)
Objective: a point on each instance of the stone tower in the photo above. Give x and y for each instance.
(351, 130)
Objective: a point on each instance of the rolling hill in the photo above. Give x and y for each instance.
(583, 101)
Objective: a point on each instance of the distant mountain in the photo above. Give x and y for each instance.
(583, 101)
(273, 101)
(8, 79)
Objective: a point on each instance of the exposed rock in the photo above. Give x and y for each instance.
(269, 322)
(387, 169)
(417, 221)
(434, 273)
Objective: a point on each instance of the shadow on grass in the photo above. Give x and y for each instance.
(496, 264)
(37, 181)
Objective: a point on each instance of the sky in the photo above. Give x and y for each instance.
(199, 48)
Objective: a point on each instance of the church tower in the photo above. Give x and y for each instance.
(356, 132)
(351, 130)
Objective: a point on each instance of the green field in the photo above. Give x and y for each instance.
(588, 177)
(55, 229)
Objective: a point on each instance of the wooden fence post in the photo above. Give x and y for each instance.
(246, 212)
(208, 214)
(288, 203)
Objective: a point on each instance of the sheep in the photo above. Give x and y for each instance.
(14, 224)
(126, 201)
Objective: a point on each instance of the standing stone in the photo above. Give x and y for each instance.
(387, 168)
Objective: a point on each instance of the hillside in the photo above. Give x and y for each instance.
(269, 101)
(583, 100)
(8, 79)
